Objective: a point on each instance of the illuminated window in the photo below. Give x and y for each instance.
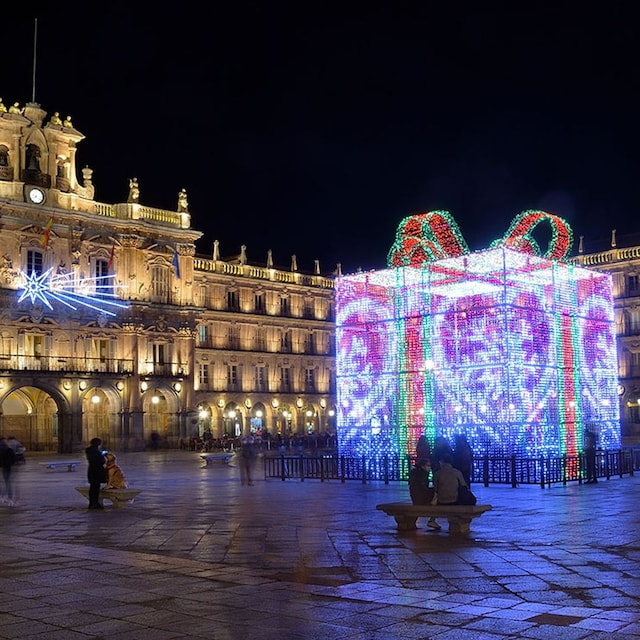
(160, 284)
(203, 336)
(203, 374)
(258, 304)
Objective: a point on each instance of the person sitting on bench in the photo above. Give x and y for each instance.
(419, 489)
(446, 482)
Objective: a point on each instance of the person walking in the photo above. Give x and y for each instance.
(248, 455)
(7, 460)
(96, 473)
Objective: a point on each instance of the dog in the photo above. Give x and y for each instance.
(115, 476)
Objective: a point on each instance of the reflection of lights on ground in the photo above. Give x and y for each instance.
(45, 287)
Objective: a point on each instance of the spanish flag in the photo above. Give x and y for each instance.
(176, 263)
(111, 256)
(44, 241)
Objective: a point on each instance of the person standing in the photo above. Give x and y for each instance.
(96, 473)
(7, 460)
(423, 449)
(463, 457)
(590, 441)
(441, 448)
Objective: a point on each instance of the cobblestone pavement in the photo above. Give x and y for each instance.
(198, 555)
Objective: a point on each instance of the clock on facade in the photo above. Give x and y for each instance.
(35, 195)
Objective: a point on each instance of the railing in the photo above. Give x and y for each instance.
(509, 470)
(262, 273)
(16, 362)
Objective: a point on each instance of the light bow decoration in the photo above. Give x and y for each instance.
(426, 237)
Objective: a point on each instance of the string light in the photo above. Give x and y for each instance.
(47, 287)
(515, 350)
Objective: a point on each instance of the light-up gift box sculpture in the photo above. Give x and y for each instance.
(513, 349)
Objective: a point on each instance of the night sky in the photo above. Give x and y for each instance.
(314, 127)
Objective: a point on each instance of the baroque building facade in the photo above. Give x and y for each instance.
(621, 259)
(111, 324)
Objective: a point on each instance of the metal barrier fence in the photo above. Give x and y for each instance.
(510, 470)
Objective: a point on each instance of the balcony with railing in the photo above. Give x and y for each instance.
(165, 369)
(72, 364)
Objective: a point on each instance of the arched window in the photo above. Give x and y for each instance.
(4, 155)
(32, 157)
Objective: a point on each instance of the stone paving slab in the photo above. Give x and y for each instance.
(198, 555)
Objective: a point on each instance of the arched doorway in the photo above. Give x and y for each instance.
(204, 420)
(156, 418)
(232, 420)
(31, 415)
(258, 423)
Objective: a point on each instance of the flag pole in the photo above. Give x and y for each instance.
(35, 40)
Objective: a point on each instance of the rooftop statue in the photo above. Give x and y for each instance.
(134, 190)
(183, 204)
(67, 122)
(3, 109)
(55, 118)
(15, 108)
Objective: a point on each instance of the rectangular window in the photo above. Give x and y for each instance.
(285, 342)
(259, 303)
(232, 377)
(204, 375)
(284, 306)
(309, 344)
(233, 337)
(158, 354)
(285, 380)
(102, 281)
(102, 347)
(160, 284)
(38, 346)
(232, 301)
(633, 284)
(34, 262)
(310, 380)
(204, 299)
(202, 334)
(261, 380)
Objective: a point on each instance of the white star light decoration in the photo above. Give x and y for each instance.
(44, 287)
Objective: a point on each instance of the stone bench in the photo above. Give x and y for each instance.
(207, 458)
(459, 516)
(70, 464)
(118, 497)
